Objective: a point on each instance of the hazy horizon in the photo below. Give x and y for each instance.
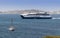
(49, 5)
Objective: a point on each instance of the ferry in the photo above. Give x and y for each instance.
(36, 16)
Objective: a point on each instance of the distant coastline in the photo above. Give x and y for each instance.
(28, 11)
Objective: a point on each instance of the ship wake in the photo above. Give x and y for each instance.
(55, 18)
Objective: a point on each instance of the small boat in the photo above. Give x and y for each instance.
(11, 28)
(36, 16)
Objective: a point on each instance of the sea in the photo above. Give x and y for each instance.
(29, 28)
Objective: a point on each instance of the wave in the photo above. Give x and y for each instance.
(55, 18)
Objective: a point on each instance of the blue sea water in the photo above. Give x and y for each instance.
(28, 28)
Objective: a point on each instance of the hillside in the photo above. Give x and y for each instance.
(28, 11)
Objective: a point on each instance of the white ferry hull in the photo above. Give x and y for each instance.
(33, 17)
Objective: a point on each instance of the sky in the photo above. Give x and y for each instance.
(29, 4)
